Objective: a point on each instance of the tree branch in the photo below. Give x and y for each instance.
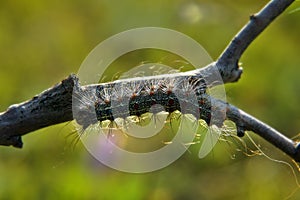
(54, 105)
(245, 122)
(227, 63)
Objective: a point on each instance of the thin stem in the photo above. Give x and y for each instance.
(227, 63)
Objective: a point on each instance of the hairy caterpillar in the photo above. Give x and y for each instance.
(137, 96)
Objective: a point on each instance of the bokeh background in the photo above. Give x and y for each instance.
(41, 42)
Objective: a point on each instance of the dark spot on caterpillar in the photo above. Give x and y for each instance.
(153, 102)
(171, 102)
(103, 111)
(136, 106)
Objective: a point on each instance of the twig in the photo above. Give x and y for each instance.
(54, 105)
(245, 122)
(227, 63)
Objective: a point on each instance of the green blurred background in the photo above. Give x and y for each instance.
(41, 42)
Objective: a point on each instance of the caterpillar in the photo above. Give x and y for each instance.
(137, 96)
